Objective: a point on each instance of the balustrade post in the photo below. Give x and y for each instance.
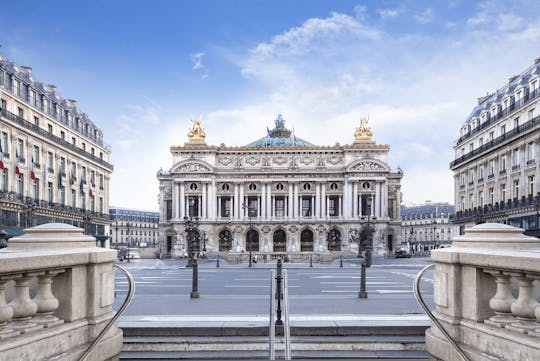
(524, 307)
(6, 312)
(501, 303)
(46, 302)
(24, 308)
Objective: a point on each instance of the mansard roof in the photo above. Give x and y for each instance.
(507, 90)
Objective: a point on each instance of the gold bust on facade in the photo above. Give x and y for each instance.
(363, 133)
(196, 134)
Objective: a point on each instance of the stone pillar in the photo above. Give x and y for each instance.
(204, 206)
(263, 201)
(182, 201)
(355, 200)
(290, 203)
(318, 200)
(236, 202)
(241, 208)
(296, 203)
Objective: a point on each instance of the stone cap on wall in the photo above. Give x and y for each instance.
(52, 236)
(496, 236)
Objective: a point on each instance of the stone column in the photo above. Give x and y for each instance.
(204, 213)
(263, 201)
(269, 204)
(182, 201)
(236, 202)
(290, 203)
(355, 200)
(296, 214)
(318, 200)
(242, 210)
(174, 188)
(346, 198)
(324, 210)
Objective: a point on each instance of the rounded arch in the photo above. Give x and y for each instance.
(252, 240)
(280, 241)
(334, 240)
(306, 240)
(225, 240)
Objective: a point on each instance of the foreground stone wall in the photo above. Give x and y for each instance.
(486, 295)
(56, 295)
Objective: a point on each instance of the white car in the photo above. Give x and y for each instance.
(133, 253)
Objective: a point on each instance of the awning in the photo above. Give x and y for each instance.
(13, 232)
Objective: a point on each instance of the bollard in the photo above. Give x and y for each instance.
(278, 294)
(217, 261)
(310, 260)
(340, 261)
(195, 282)
(250, 262)
(362, 293)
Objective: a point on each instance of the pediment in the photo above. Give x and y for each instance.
(192, 167)
(368, 165)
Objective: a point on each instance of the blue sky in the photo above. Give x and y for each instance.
(143, 69)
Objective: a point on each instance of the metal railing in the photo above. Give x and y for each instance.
(490, 145)
(275, 295)
(422, 303)
(125, 304)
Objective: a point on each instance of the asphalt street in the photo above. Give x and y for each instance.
(163, 288)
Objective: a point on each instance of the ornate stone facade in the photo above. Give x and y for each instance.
(54, 165)
(281, 194)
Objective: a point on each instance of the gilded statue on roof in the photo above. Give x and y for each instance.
(363, 133)
(196, 134)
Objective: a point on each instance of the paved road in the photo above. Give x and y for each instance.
(163, 288)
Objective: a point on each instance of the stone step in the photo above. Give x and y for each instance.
(248, 347)
(260, 355)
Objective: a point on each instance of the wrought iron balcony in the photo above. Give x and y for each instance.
(479, 214)
(44, 133)
(492, 144)
(501, 114)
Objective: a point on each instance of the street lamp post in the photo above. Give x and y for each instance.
(250, 233)
(369, 233)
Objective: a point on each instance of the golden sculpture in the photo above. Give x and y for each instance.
(363, 133)
(196, 134)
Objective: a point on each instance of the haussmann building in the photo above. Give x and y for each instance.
(280, 195)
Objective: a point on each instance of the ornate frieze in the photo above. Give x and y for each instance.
(252, 160)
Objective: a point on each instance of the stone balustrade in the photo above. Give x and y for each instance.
(56, 295)
(487, 287)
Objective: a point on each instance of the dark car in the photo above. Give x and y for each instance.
(402, 253)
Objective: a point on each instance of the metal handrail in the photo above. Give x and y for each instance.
(420, 300)
(286, 326)
(272, 330)
(127, 301)
(272, 323)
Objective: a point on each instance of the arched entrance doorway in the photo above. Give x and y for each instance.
(225, 240)
(334, 240)
(280, 241)
(306, 241)
(252, 241)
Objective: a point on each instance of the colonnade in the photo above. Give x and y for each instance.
(328, 199)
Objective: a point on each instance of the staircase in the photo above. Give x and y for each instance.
(236, 340)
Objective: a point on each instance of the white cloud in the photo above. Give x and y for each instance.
(425, 17)
(388, 13)
(417, 89)
(197, 60)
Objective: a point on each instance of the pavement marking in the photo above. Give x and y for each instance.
(257, 317)
(328, 276)
(394, 291)
(253, 286)
(337, 291)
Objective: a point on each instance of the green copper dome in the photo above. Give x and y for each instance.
(279, 137)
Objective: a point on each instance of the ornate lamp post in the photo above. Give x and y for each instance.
(369, 245)
(192, 234)
(250, 233)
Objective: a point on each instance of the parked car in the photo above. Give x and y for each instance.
(402, 253)
(133, 253)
